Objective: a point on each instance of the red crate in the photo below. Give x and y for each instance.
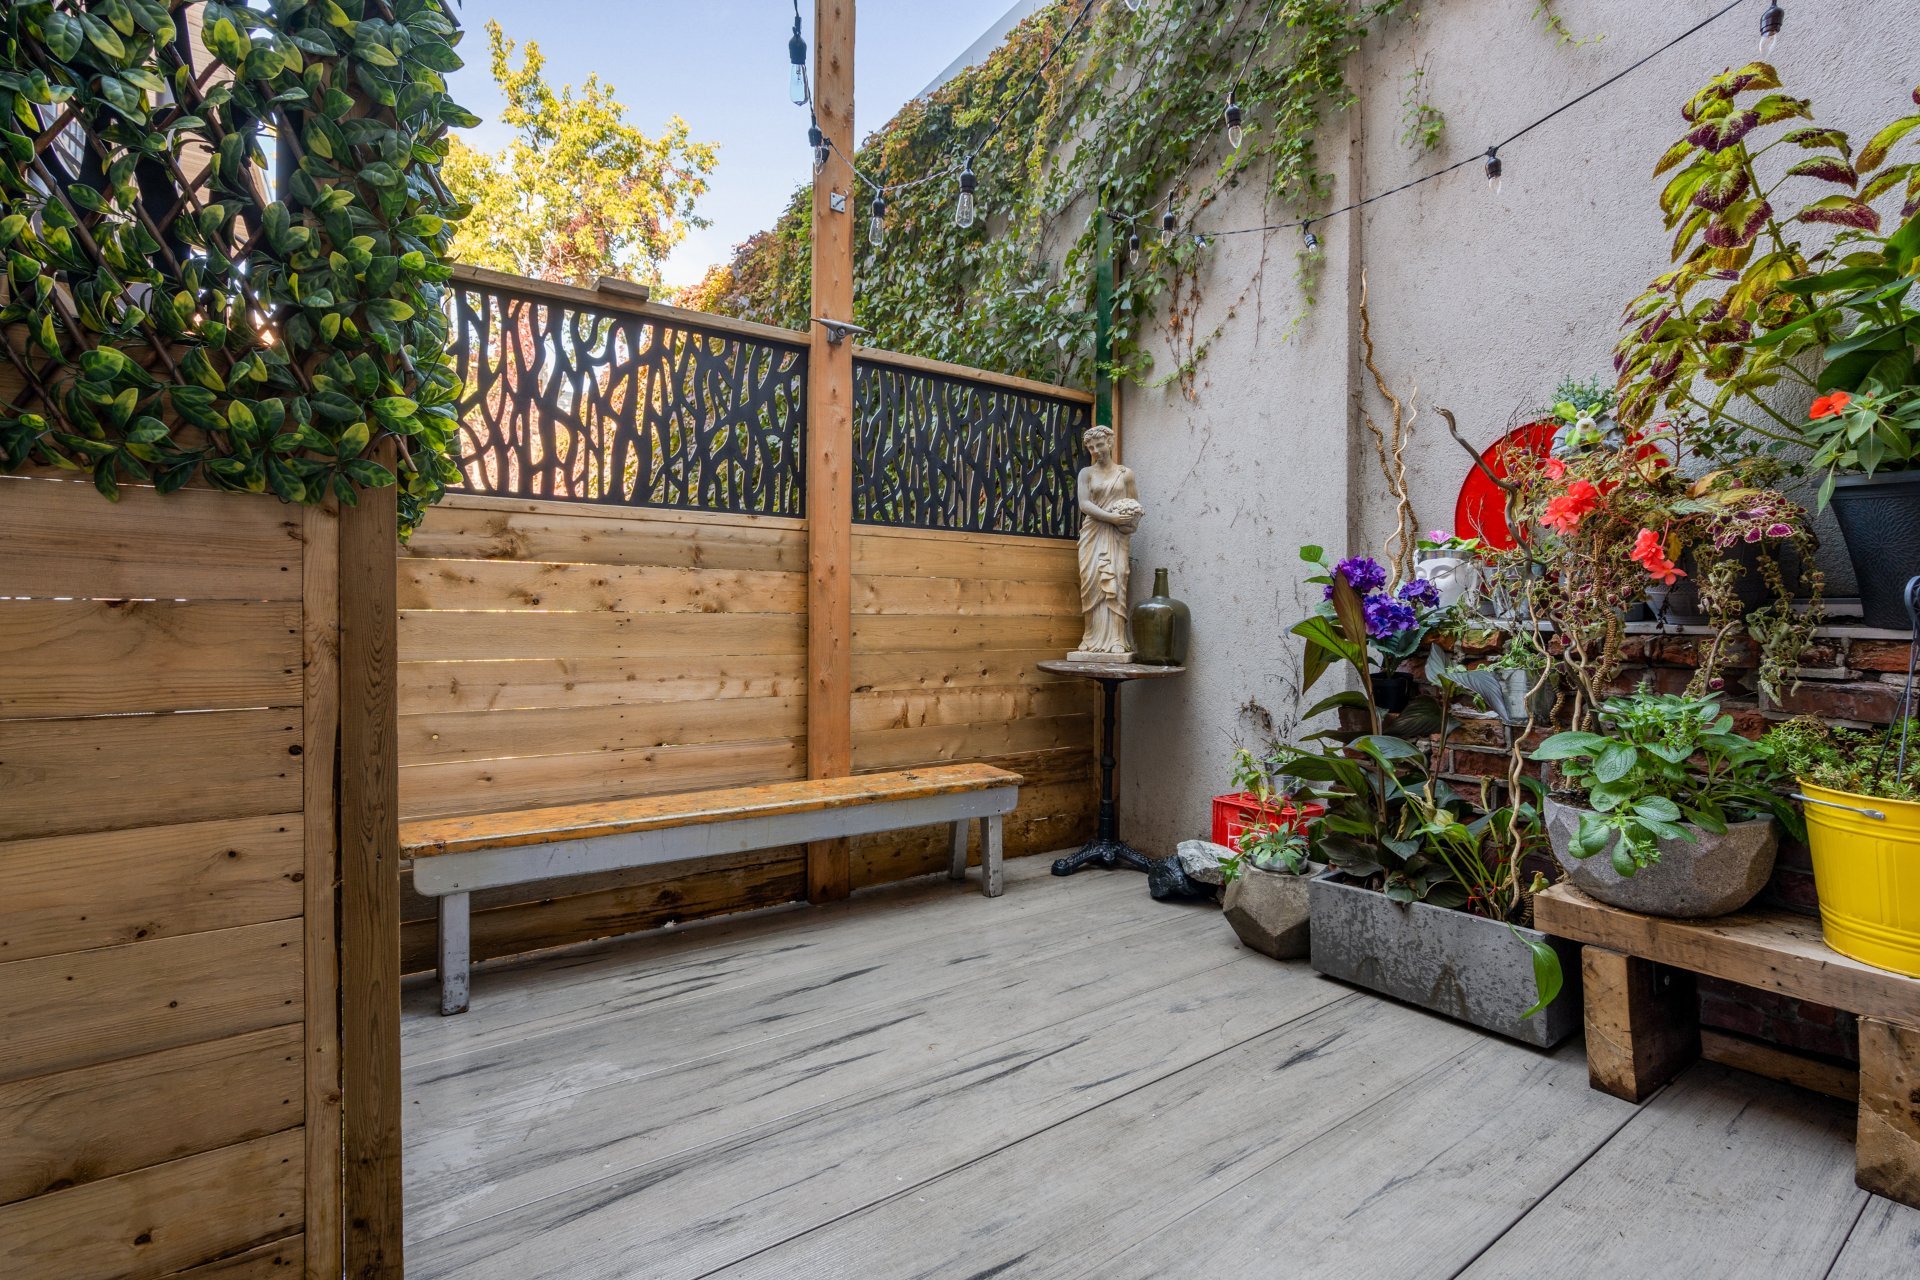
(1233, 814)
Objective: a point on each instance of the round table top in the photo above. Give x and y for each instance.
(1109, 670)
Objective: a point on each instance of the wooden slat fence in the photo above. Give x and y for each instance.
(170, 1080)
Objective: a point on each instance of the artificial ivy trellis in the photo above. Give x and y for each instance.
(169, 310)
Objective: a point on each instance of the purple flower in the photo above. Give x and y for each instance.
(1387, 617)
(1362, 573)
(1420, 593)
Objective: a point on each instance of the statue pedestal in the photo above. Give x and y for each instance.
(1080, 655)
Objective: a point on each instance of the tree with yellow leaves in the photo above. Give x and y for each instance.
(578, 193)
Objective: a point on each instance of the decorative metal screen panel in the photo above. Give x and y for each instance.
(938, 452)
(563, 401)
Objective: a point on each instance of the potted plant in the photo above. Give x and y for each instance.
(1266, 889)
(1424, 898)
(1519, 685)
(1256, 802)
(1669, 811)
(1452, 565)
(1862, 796)
(1748, 304)
(1392, 624)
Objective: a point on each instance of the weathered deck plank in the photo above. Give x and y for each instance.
(1885, 1243)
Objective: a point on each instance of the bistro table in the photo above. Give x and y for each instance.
(1107, 848)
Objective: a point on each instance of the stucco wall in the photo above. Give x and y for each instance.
(1485, 301)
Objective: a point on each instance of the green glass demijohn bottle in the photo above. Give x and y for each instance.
(1162, 627)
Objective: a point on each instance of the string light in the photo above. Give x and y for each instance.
(1235, 134)
(1493, 169)
(1307, 237)
(818, 141)
(963, 210)
(1133, 247)
(877, 221)
(1770, 23)
(797, 55)
(1166, 219)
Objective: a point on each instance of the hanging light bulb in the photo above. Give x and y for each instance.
(1235, 134)
(797, 55)
(1133, 247)
(963, 211)
(1311, 240)
(1770, 23)
(1493, 169)
(1166, 220)
(877, 222)
(818, 141)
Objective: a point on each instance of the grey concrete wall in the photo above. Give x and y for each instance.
(1485, 301)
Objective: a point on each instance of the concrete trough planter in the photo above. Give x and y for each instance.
(1708, 876)
(1269, 910)
(1442, 960)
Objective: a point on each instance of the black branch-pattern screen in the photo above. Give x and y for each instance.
(563, 401)
(934, 451)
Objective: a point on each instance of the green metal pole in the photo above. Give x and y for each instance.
(1103, 319)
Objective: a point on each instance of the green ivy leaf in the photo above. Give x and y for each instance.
(63, 34)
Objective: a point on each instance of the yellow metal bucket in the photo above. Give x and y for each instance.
(1867, 871)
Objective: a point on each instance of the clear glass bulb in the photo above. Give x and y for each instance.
(1493, 183)
(797, 85)
(1235, 136)
(963, 211)
(1133, 248)
(1767, 41)
(876, 230)
(820, 157)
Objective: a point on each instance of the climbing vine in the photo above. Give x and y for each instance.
(1126, 115)
(173, 310)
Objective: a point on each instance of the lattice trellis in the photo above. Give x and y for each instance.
(934, 451)
(563, 401)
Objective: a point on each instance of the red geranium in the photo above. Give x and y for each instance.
(1827, 406)
(1649, 552)
(1564, 512)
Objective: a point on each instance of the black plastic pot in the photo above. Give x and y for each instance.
(1393, 691)
(1880, 518)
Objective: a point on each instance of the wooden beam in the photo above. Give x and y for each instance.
(830, 440)
(1888, 1142)
(369, 831)
(1643, 1023)
(320, 673)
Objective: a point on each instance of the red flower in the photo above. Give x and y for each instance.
(1827, 406)
(1564, 512)
(1651, 555)
(1555, 469)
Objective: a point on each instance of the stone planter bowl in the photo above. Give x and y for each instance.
(1269, 912)
(1708, 877)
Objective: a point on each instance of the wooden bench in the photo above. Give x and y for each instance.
(455, 856)
(1643, 1018)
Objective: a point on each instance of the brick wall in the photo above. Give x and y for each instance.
(1854, 676)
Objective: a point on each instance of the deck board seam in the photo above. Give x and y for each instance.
(1840, 1252)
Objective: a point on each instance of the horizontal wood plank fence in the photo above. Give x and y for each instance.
(564, 642)
(170, 1049)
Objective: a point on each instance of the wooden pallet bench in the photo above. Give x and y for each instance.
(455, 856)
(1643, 1018)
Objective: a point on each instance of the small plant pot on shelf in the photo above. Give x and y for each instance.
(1393, 690)
(1269, 910)
(1710, 876)
(1234, 813)
(1446, 961)
(1867, 873)
(1879, 516)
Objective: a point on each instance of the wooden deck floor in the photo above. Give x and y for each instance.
(1071, 1080)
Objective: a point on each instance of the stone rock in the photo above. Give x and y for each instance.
(1200, 859)
(1268, 909)
(1167, 881)
(1710, 876)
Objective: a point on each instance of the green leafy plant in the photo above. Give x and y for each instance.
(1422, 125)
(1866, 762)
(275, 338)
(1668, 767)
(1269, 846)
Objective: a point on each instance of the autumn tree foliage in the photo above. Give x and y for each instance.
(579, 192)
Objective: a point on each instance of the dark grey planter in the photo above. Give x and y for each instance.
(1447, 961)
(1710, 876)
(1269, 910)
(1879, 515)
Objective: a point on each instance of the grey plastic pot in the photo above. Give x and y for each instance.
(1711, 876)
(1879, 516)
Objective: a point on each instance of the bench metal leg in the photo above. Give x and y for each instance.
(957, 862)
(990, 876)
(1643, 1023)
(1887, 1154)
(456, 958)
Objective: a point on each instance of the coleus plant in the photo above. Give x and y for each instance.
(1745, 299)
(171, 313)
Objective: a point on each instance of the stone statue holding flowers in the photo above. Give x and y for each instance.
(1110, 511)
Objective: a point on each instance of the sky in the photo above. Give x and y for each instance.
(722, 66)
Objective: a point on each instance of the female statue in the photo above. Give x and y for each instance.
(1109, 513)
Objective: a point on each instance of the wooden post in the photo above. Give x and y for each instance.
(1643, 1023)
(1888, 1145)
(830, 440)
(370, 887)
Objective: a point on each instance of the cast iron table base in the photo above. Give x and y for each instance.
(1107, 848)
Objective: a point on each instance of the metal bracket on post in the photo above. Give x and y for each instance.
(838, 331)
